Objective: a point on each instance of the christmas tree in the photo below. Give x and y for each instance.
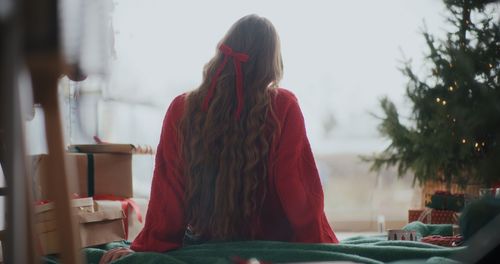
(454, 130)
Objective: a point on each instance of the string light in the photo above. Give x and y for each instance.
(444, 102)
(464, 141)
(438, 99)
(491, 66)
(450, 88)
(482, 144)
(476, 145)
(454, 120)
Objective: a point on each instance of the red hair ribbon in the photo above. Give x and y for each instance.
(238, 58)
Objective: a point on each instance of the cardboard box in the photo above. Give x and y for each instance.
(90, 174)
(111, 148)
(431, 216)
(102, 148)
(95, 228)
(133, 225)
(45, 212)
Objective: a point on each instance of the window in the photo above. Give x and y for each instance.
(339, 57)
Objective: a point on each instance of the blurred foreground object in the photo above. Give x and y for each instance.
(477, 215)
(479, 226)
(43, 39)
(43, 57)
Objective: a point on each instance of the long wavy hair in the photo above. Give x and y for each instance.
(226, 158)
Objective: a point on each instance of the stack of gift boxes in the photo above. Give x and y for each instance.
(104, 205)
(95, 227)
(442, 208)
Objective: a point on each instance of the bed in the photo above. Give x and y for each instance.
(362, 249)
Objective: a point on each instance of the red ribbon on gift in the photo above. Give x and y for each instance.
(126, 203)
(444, 241)
(42, 202)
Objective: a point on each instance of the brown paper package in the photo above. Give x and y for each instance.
(112, 174)
(95, 228)
(134, 226)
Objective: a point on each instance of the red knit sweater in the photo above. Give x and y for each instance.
(293, 208)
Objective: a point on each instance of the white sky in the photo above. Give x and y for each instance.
(340, 56)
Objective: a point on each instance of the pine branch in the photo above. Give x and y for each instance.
(455, 135)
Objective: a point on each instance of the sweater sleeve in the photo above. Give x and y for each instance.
(165, 225)
(297, 181)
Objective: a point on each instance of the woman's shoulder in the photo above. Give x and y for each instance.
(176, 107)
(284, 101)
(284, 98)
(284, 94)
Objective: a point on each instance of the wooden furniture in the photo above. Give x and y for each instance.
(45, 71)
(38, 49)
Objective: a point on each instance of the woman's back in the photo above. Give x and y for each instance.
(292, 209)
(227, 130)
(234, 161)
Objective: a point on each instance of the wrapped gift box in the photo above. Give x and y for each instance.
(444, 200)
(432, 216)
(135, 213)
(92, 174)
(44, 210)
(111, 148)
(95, 228)
(142, 163)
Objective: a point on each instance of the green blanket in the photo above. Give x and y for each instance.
(372, 249)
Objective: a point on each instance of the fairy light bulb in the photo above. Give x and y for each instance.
(464, 141)
(450, 88)
(476, 145)
(438, 99)
(444, 102)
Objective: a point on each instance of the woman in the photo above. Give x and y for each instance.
(234, 161)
